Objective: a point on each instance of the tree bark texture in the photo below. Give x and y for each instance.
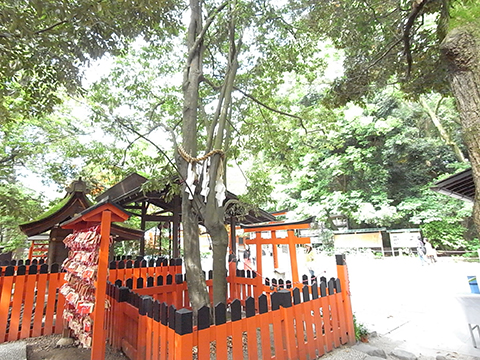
(193, 71)
(461, 51)
(214, 222)
(197, 289)
(214, 214)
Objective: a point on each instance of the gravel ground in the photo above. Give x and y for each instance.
(45, 348)
(389, 345)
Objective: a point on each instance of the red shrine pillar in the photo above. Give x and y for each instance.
(259, 287)
(292, 249)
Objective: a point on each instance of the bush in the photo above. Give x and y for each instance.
(360, 329)
(472, 248)
(445, 235)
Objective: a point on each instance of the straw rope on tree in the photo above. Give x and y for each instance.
(193, 176)
(188, 158)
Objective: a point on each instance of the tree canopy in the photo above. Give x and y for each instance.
(374, 167)
(384, 43)
(45, 44)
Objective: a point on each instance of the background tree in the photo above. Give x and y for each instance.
(250, 85)
(45, 47)
(46, 44)
(17, 205)
(422, 45)
(374, 166)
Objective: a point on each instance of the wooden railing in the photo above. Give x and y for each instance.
(289, 323)
(129, 269)
(150, 315)
(30, 304)
(26, 262)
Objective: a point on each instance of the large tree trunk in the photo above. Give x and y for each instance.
(214, 213)
(214, 222)
(193, 72)
(461, 51)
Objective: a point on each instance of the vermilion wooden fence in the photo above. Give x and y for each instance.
(126, 269)
(30, 304)
(290, 323)
(150, 318)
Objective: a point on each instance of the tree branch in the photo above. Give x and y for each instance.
(50, 27)
(157, 105)
(417, 7)
(251, 97)
(217, 88)
(144, 137)
(201, 35)
(442, 131)
(10, 35)
(130, 143)
(384, 54)
(8, 158)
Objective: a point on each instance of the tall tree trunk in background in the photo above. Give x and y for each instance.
(212, 211)
(193, 72)
(443, 133)
(461, 51)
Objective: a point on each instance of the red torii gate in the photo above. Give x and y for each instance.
(291, 240)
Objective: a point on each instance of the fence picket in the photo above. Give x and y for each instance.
(305, 340)
(334, 321)
(220, 330)
(203, 333)
(342, 325)
(237, 329)
(156, 330)
(147, 310)
(183, 333)
(279, 337)
(142, 335)
(5, 298)
(55, 281)
(17, 301)
(170, 348)
(39, 304)
(28, 306)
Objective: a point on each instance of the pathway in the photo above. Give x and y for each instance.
(411, 304)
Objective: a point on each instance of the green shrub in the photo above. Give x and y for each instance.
(445, 235)
(360, 329)
(471, 248)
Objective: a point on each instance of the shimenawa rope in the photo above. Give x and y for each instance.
(188, 158)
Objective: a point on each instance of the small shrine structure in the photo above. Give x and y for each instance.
(89, 248)
(74, 202)
(161, 207)
(157, 206)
